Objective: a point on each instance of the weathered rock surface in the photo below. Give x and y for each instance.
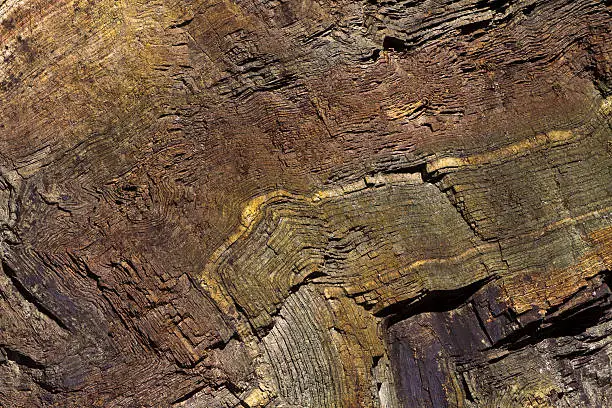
(306, 204)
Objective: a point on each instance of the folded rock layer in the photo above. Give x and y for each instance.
(305, 204)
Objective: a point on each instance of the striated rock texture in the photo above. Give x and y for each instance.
(245, 203)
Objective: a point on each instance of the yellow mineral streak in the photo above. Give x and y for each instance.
(253, 212)
(452, 284)
(606, 106)
(398, 112)
(569, 221)
(254, 209)
(524, 146)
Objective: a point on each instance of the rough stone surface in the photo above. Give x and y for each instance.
(315, 204)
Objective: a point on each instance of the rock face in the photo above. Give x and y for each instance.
(306, 204)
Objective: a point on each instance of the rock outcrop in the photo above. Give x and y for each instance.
(306, 204)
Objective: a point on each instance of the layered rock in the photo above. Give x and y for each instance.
(305, 204)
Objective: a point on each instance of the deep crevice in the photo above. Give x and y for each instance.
(498, 6)
(394, 44)
(466, 389)
(308, 279)
(481, 323)
(189, 395)
(432, 301)
(573, 325)
(570, 323)
(527, 10)
(182, 24)
(471, 28)
(22, 359)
